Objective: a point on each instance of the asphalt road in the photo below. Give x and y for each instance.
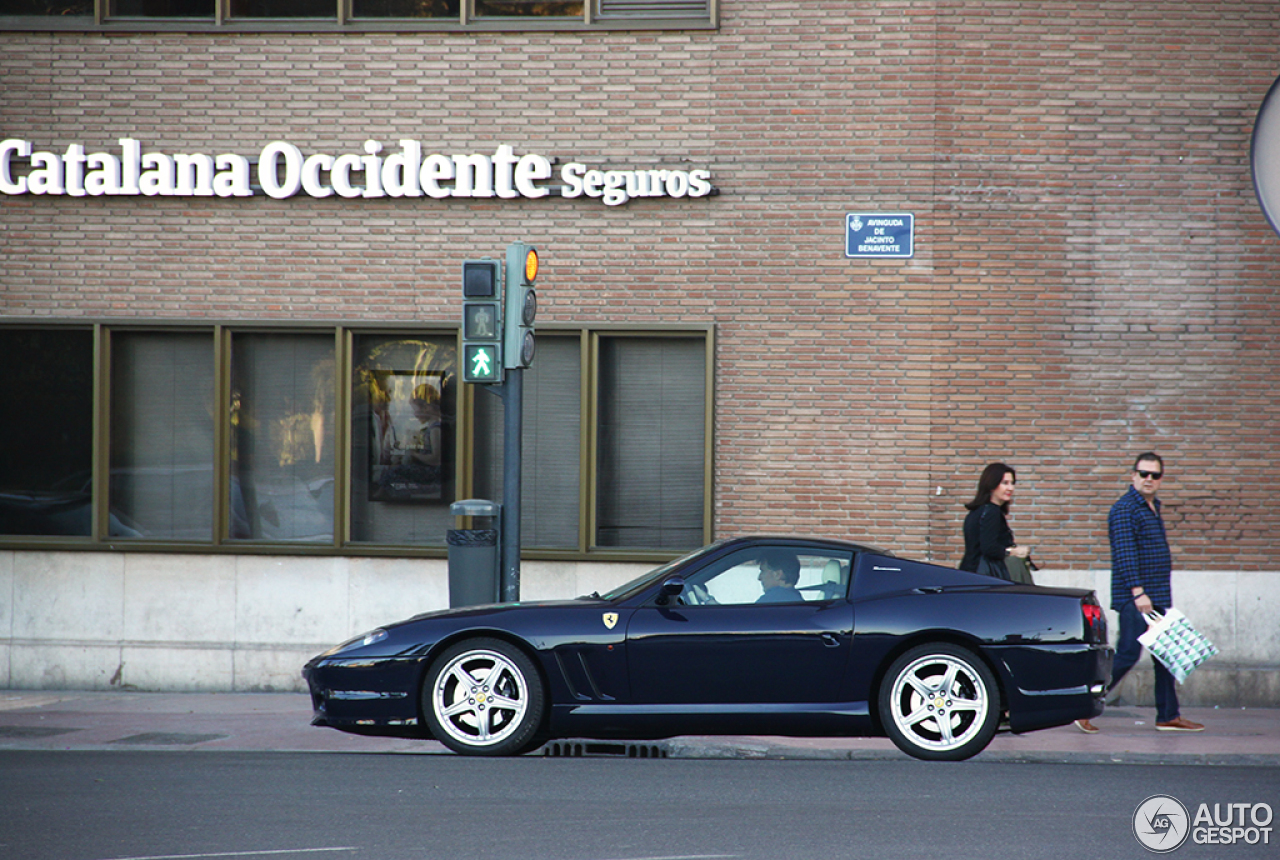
(88, 805)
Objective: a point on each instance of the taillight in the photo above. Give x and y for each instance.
(1094, 620)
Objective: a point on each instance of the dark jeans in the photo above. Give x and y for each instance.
(1128, 652)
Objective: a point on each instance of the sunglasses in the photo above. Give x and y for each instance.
(1155, 476)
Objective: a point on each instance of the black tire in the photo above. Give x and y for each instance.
(484, 697)
(940, 702)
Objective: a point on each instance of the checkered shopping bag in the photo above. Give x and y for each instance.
(1174, 642)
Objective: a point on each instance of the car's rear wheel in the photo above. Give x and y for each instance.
(940, 702)
(484, 697)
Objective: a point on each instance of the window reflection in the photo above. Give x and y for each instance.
(282, 436)
(406, 9)
(522, 8)
(46, 7)
(403, 425)
(46, 412)
(284, 9)
(162, 8)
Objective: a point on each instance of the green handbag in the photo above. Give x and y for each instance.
(1020, 569)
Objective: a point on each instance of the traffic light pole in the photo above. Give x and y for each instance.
(512, 393)
(498, 312)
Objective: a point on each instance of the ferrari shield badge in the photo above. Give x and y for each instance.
(610, 619)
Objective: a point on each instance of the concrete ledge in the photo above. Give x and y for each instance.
(227, 623)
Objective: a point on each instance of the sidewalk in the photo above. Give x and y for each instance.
(70, 720)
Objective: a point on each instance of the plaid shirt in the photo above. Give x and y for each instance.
(1139, 552)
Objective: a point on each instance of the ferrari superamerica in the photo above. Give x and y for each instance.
(749, 636)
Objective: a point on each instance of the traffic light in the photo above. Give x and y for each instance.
(482, 321)
(521, 305)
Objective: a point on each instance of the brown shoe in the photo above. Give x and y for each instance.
(1179, 725)
(1087, 727)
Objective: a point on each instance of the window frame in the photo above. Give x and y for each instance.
(344, 338)
(592, 425)
(344, 22)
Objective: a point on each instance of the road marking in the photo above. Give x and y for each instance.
(235, 854)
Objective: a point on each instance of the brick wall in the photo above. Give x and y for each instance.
(1092, 276)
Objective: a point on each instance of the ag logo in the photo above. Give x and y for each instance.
(610, 619)
(1160, 823)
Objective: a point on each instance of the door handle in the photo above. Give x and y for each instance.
(830, 640)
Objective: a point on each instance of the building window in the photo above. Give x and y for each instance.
(651, 442)
(338, 440)
(156, 8)
(539, 8)
(647, 475)
(46, 410)
(161, 436)
(551, 495)
(322, 15)
(655, 8)
(283, 9)
(47, 8)
(438, 10)
(282, 437)
(404, 421)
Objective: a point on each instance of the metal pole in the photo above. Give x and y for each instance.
(512, 433)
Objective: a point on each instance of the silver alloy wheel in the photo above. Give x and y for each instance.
(480, 698)
(939, 702)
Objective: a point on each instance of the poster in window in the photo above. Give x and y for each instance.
(406, 436)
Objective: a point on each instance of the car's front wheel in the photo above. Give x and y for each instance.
(940, 702)
(484, 697)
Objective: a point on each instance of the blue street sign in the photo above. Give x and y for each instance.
(888, 235)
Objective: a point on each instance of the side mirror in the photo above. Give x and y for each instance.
(672, 587)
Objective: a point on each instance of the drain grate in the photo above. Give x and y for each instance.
(167, 739)
(33, 731)
(583, 749)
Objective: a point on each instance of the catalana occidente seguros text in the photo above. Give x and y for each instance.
(283, 170)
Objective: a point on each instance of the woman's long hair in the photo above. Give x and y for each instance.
(991, 478)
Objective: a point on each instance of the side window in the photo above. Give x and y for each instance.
(770, 574)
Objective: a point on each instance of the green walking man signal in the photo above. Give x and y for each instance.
(482, 330)
(483, 363)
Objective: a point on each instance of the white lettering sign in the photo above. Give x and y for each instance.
(284, 170)
(1232, 824)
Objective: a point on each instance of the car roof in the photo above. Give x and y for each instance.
(829, 542)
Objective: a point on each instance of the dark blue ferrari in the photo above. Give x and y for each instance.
(760, 635)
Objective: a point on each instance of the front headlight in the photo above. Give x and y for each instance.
(373, 636)
(370, 638)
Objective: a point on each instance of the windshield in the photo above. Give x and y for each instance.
(645, 580)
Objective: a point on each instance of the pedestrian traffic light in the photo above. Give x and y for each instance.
(521, 305)
(482, 321)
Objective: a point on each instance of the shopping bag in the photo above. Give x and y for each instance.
(1175, 643)
(1020, 569)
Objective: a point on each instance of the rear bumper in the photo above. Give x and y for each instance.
(1054, 684)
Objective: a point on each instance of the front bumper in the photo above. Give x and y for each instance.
(364, 695)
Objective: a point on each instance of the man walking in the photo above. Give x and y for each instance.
(1141, 580)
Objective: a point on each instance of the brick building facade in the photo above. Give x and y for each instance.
(1092, 276)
